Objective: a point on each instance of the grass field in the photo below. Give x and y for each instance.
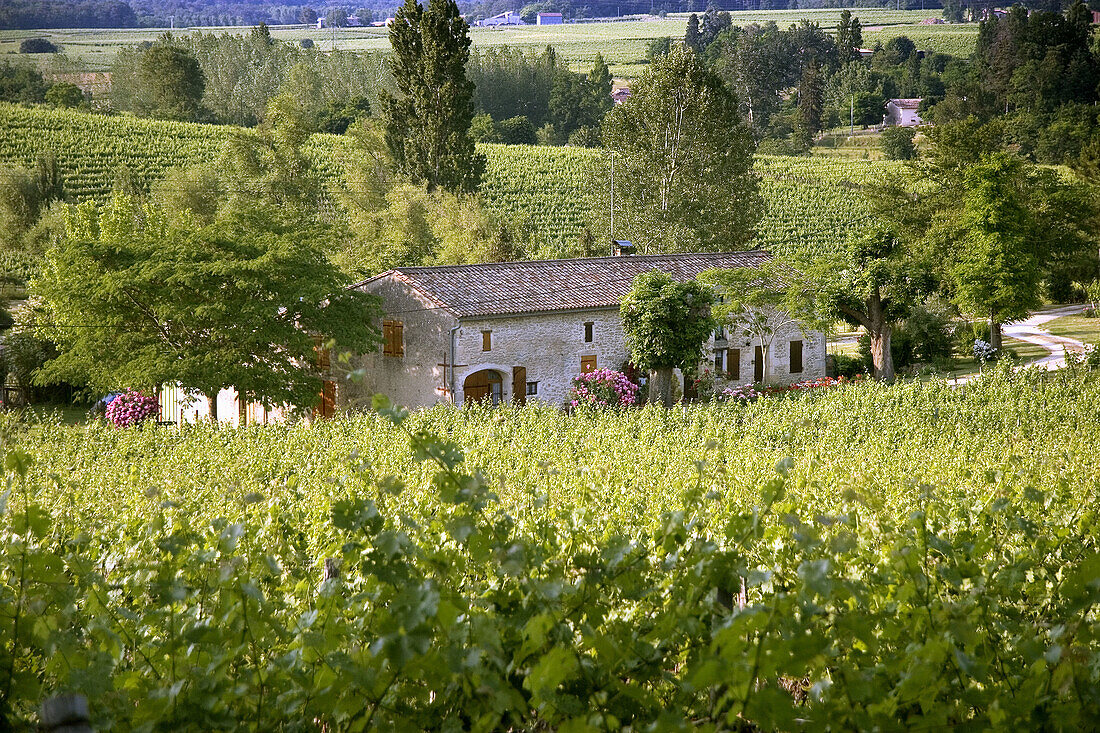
(623, 44)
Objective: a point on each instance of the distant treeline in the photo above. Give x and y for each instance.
(66, 14)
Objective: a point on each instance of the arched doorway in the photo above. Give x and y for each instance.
(484, 385)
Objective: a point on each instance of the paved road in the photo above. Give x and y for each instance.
(1029, 330)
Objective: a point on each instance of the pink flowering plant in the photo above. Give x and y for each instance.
(131, 408)
(602, 388)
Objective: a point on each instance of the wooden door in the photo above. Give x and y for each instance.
(758, 365)
(482, 385)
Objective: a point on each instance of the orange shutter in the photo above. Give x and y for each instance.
(519, 385)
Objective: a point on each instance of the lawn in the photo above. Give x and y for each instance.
(1076, 327)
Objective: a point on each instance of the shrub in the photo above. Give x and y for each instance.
(848, 366)
(517, 131)
(897, 143)
(585, 137)
(483, 129)
(602, 388)
(132, 408)
(64, 94)
(306, 43)
(37, 45)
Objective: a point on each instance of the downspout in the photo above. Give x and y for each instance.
(454, 330)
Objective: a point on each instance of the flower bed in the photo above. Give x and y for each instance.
(131, 408)
(602, 388)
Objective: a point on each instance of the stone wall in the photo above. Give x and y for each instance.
(551, 347)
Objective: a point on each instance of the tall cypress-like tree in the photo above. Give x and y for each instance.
(693, 37)
(428, 123)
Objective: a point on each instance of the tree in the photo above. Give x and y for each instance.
(897, 143)
(811, 104)
(683, 161)
(37, 45)
(64, 94)
(666, 324)
(692, 36)
(849, 38)
(755, 302)
(428, 123)
(997, 266)
(873, 283)
(170, 83)
(308, 16)
(365, 16)
(241, 303)
(336, 18)
(25, 195)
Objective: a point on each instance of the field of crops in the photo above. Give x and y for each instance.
(623, 44)
(910, 557)
(812, 202)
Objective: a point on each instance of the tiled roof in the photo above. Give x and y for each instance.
(504, 288)
(907, 103)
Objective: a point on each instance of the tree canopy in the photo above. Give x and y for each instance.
(683, 161)
(428, 121)
(666, 323)
(137, 298)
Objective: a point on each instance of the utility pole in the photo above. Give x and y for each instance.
(852, 114)
(612, 194)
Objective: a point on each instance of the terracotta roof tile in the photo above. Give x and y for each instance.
(505, 288)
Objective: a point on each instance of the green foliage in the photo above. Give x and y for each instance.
(138, 299)
(740, 576)
(517, 131)
(683, 161)
(666, 324)
(428, 122)
(21, 83)
(169, 84)
(37, 45)
(64, 94)
(546, 194)
(483, 130)
(897, 143)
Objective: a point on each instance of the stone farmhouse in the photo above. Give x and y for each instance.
(519, 331)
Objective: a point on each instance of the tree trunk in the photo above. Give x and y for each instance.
(660, 386)
(994, 333)
(880, 332)
(213, 400)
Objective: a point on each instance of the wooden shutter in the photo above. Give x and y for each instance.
(486, 340)
(327, 408)
(519, 385)
(733, 363)
(758, 365)
(796, 357)
(588, 364)
(393, 338)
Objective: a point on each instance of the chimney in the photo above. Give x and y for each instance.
(621, 247)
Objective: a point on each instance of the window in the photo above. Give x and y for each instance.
(393, 340)
(588, 364)
(796, 357)
(532, 388)
(486, 340)
(720, 334)
(588, 332)
(733, 363)
(719, 360)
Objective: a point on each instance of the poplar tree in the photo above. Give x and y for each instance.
(427, 124)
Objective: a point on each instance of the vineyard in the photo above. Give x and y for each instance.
(911, 557)
(812, 203)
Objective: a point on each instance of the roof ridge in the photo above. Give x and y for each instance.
(563, 260)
